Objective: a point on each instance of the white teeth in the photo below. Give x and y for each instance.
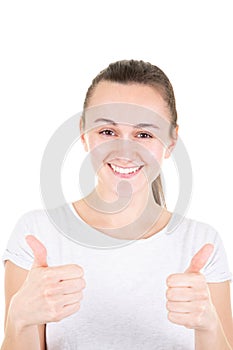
(124, 170)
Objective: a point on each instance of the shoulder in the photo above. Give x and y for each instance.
(43, 224)
(39, 222)
(32, 216)
(192, 234)
(188, 236)
(191, 227)
(42, 216)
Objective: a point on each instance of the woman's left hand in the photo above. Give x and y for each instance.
(188, 298)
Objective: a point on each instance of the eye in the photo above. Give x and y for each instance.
(107, 132)
(144, 135)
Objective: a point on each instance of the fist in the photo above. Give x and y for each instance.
(188, 298)
(48, 294)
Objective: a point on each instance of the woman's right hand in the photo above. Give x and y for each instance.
(48, 294)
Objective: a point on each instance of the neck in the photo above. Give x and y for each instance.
(135, 213)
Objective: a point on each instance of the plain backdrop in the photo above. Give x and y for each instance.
(50, 52)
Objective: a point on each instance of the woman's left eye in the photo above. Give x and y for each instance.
(144, 135)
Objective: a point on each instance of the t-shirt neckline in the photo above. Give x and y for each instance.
(138, 241)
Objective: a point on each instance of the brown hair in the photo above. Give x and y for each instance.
(133, 71)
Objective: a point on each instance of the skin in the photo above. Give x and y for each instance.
(56, 292)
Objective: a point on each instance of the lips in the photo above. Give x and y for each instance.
(123, 171)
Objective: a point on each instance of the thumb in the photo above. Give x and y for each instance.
(200, 258)
(39, 251)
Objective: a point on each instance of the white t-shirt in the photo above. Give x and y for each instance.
(124, 302)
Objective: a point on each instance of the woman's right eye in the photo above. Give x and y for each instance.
(107, 132)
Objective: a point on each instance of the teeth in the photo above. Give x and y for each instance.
(124, 170)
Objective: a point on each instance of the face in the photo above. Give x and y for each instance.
(127, 132)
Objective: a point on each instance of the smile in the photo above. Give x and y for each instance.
(124, 172)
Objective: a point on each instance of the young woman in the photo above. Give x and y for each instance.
(166, 286)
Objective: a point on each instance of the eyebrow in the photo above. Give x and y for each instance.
(140, 125)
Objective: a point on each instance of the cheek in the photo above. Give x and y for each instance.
(98, 151)
(154, 161)
(158, 152)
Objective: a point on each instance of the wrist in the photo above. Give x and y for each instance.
(15, 324)
(211, 324)
(211, 338)
(15, 319)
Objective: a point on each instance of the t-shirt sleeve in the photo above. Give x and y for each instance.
(17, 249)
(217, 267)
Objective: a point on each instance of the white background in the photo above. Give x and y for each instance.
(51, 50)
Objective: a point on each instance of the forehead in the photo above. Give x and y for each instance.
(107, 92)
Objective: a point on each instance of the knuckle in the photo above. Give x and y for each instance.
(79, 284)
(168, 305)
(171, 279)
(170, 316)
(80, 294)
(83, 283)
(168, 280)
(47, 293)
(169, 293)
(72, 309)
(47, 275)
(76, 307)
(78, 269)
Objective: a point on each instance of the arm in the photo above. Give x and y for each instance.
(221, 336)
(16, 336)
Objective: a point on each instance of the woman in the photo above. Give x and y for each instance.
(139, 295)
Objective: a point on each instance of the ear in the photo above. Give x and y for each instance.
(82, 135)
(172, 145)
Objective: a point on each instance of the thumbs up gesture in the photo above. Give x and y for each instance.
(188, 298)
(48, 294)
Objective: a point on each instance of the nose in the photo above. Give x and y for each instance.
(125, 150)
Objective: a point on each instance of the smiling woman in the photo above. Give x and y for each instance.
(130, 144)
(163, 276)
